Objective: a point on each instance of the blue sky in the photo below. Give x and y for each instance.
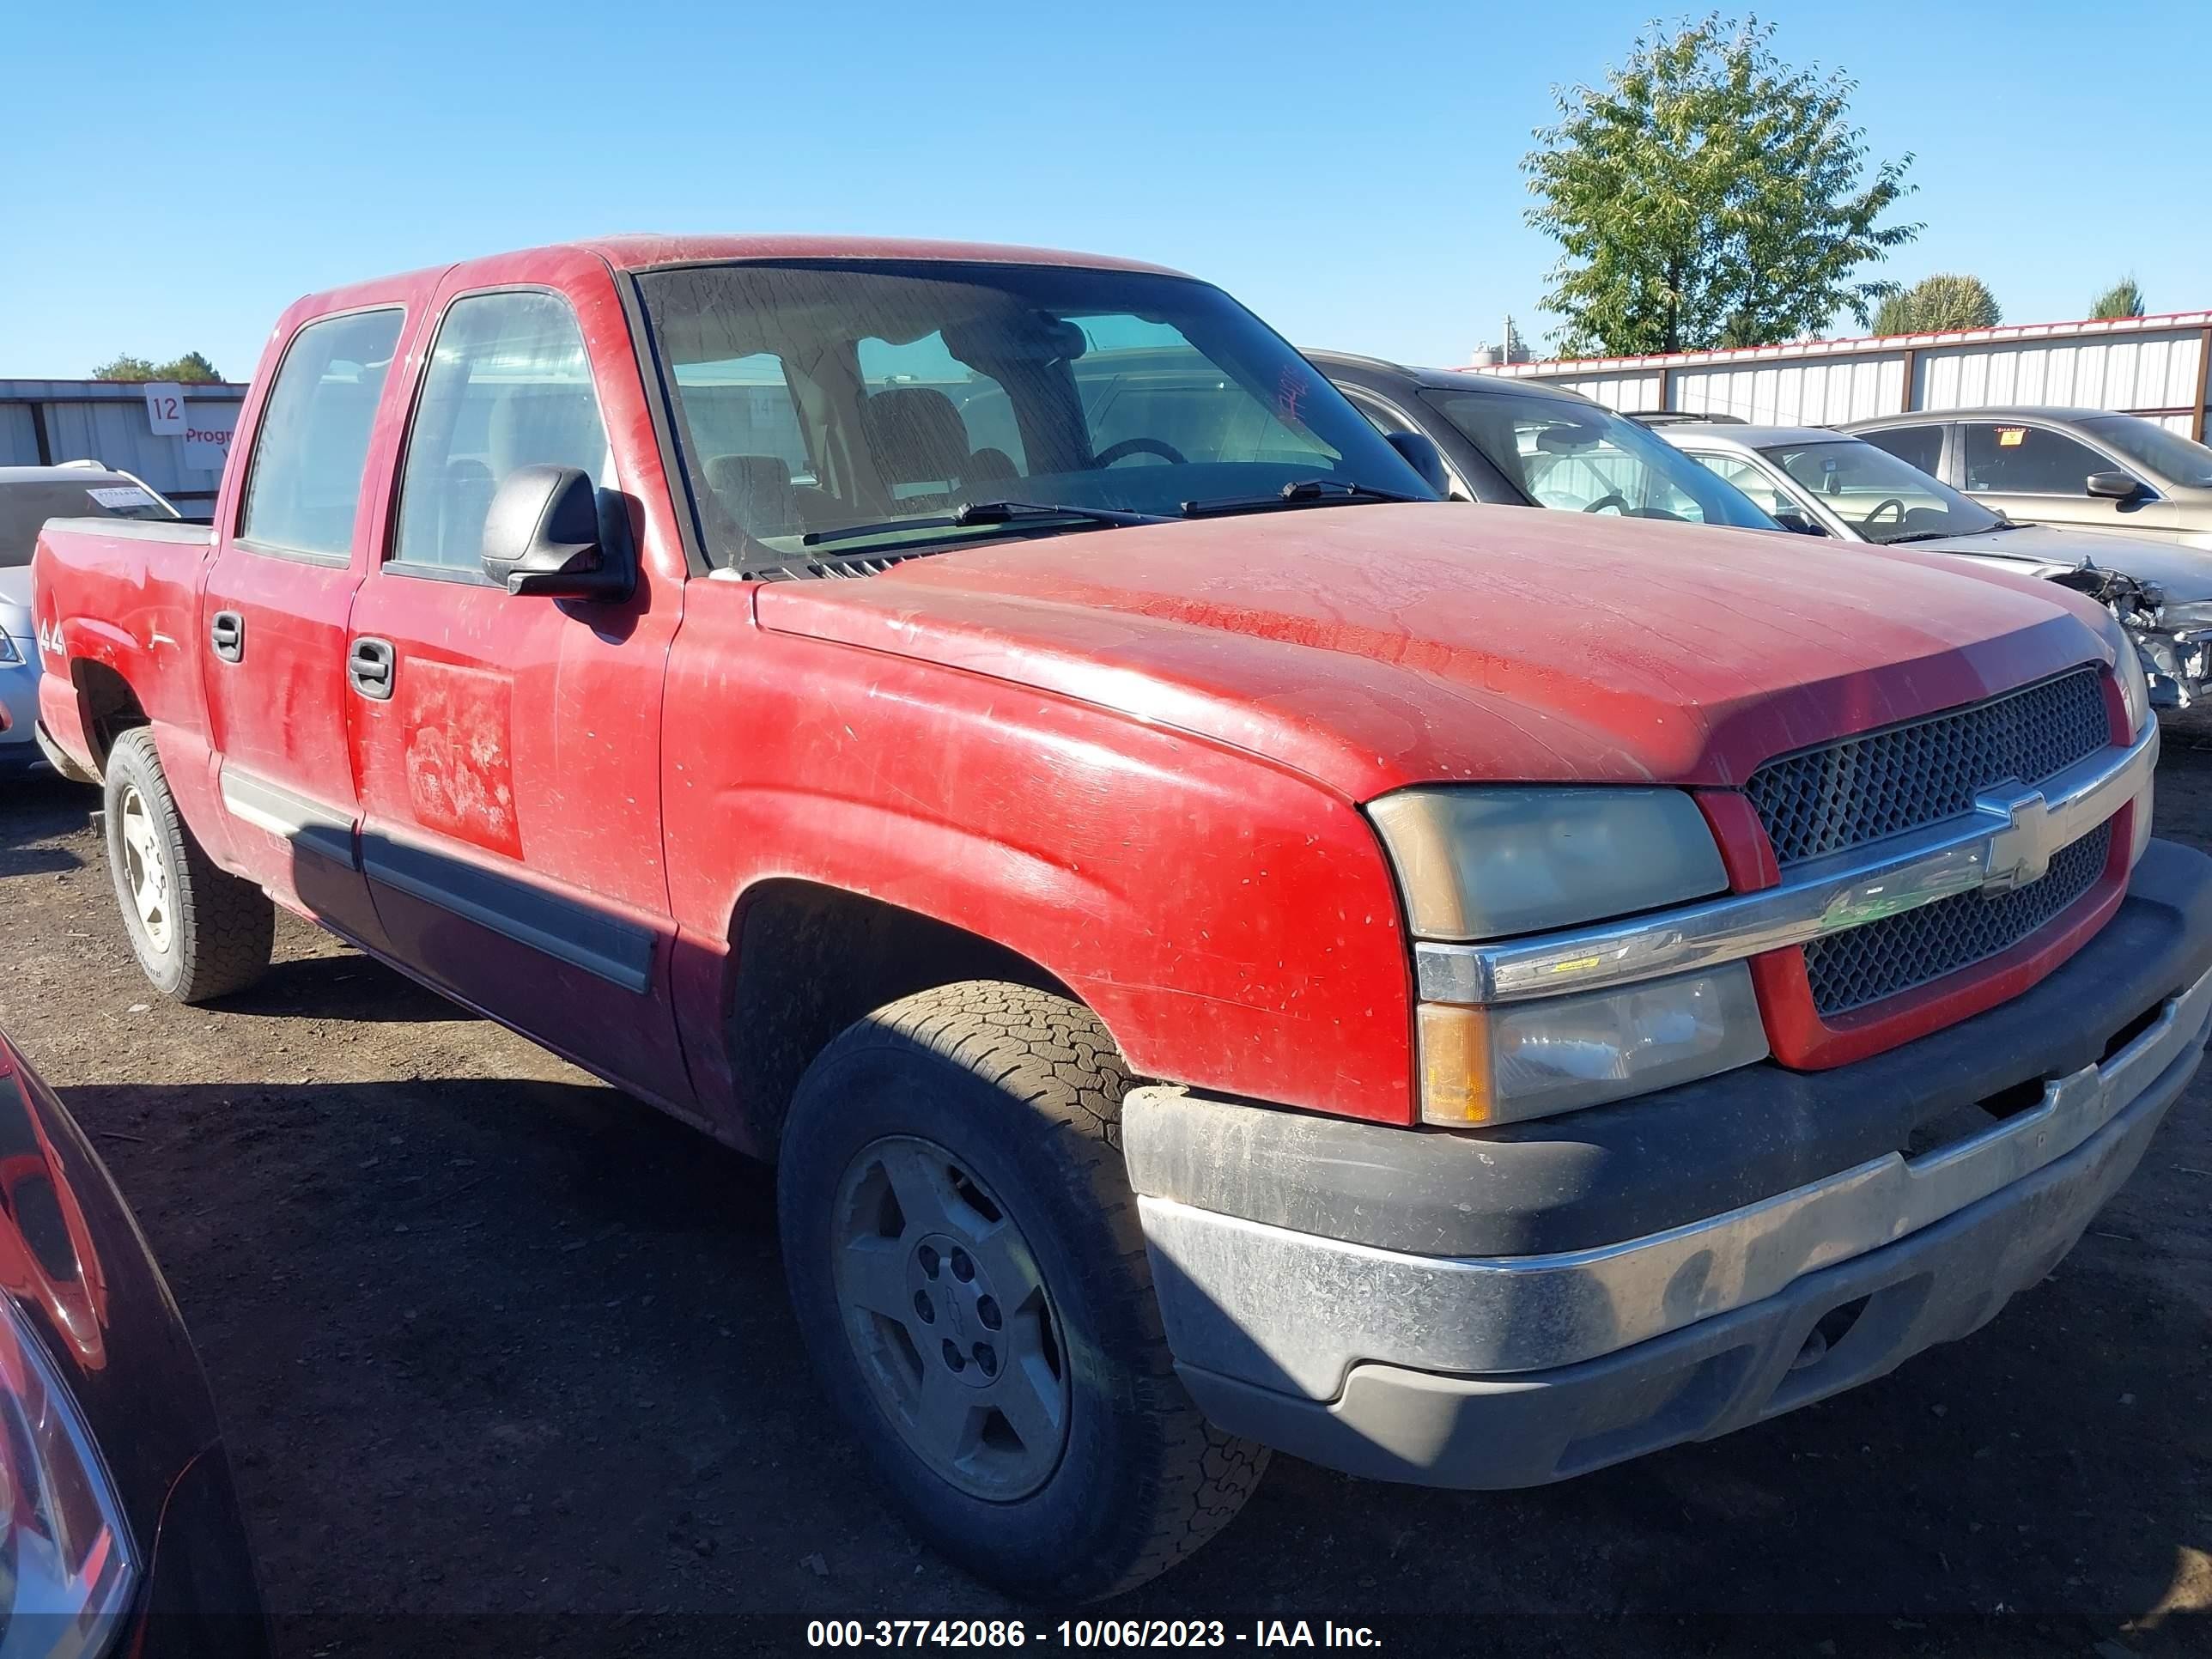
(171, 178)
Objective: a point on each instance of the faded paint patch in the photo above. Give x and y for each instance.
(458, 739)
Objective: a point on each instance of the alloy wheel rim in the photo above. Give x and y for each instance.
(145, 870)
(950, 1320)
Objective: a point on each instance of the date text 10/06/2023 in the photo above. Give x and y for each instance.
(1085, 1633)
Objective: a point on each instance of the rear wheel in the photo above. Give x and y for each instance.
(972, 1285)
(198, 932)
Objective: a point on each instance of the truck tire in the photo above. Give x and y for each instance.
(199, 932)
(972, 1287)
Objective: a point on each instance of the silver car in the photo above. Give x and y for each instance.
(2086, 469)
(29, 495)
(1846, 486)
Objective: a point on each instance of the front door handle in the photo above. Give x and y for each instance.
(369, 666)
(227, 636)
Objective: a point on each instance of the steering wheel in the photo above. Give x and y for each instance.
(1880, 508)
(1613, 498)
(1129, 447)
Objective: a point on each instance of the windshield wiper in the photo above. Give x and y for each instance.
(1920, 536)
(970, 514)
(1300, 492)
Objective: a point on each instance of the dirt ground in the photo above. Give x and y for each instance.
(489, 1338)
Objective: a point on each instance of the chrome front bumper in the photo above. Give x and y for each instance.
(1274, 1327)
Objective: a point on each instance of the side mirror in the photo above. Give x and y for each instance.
(1422, 455)
(2114, 486)
(542, 538)
(1798, 522)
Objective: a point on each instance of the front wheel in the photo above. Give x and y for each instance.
(197, 931)
(972, 1286)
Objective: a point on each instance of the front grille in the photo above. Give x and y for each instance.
(1861, 965)
(1827, 800)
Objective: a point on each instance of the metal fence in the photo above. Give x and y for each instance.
(2150, 366)
(42, 422)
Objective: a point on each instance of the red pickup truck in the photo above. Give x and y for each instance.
(1225, 949)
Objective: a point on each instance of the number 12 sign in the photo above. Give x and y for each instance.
(165, 409)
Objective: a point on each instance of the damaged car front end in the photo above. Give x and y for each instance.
(2172, 639)
(2160, 591)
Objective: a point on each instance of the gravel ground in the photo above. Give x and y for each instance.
(491, 1340)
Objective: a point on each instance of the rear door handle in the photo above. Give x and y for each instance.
(227, 636)
(369, 667)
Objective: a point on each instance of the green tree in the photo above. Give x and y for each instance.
(1709, 195)
(190, 369)
(2122, 299)
(125, 367)
(1943, 301)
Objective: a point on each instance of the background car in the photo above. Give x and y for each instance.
(2087, 468)
(1524, 444)
(121, 1532)
(1853, 489)
(29, 495)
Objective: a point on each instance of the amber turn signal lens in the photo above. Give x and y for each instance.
(1455, 1049)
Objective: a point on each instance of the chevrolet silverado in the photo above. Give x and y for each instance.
(1225, 949)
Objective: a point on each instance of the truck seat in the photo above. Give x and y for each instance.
(914, 435)
(756, 491)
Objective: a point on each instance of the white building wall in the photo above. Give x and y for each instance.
(2154, 366)
(19, 436)
(1631, 394)
(108, 422)
(2143, 372)
(1814, 394)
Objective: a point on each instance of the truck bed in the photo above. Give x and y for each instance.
(183, 531)
(122, 594)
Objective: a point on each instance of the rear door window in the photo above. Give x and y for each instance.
(741, 417)
(312, 442)
(1916, 445)
(2006, 459)
(742, 406)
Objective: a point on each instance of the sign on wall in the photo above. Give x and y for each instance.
(205, 426)
(165, 409)
(207, 436)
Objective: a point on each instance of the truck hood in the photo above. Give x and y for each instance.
(1373, 647)
(2182, 574)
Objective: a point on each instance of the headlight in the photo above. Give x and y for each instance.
(2135, 688)
(8, 651)
(65, 1566)
(1481, 863)
(1532, 1059)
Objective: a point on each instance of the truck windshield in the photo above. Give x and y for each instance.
(1880, 496)
(1568, 453)
(27, 504)
(878, 398)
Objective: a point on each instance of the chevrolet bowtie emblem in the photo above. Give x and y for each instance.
(2020, 851)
